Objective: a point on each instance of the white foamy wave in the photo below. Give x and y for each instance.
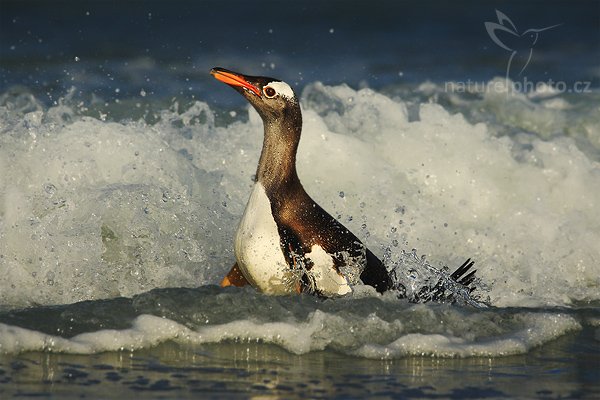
(446, 332)
(523, 211)
(536, 331)
(147, 331)
(542, 112)
(94, 209)
(97, 209)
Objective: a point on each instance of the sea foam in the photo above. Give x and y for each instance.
(96, 208)
(364, 325)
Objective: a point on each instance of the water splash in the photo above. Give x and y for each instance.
(416, 279)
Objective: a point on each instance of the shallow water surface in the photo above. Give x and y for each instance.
(242, 370)
(237, 343)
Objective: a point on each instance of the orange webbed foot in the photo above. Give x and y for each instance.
(234, 278)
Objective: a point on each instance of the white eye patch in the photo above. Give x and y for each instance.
(283, 89)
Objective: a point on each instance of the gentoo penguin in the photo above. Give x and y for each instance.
(285, 242)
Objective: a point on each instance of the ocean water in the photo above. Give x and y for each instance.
(125, 168)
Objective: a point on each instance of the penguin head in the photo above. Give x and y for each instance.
(271, 97)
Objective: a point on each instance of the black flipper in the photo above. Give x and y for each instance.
(376, 274)
(460, 271)
(439, 293)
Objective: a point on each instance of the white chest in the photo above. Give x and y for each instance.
(258, 249)
(259, 255)
(324, 275)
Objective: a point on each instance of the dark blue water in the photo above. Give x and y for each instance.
(166, 48)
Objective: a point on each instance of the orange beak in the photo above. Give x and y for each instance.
(233, 79)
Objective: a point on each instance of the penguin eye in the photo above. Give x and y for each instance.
(269, 92)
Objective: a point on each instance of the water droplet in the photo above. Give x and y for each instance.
(50, 278)
(49, 188)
